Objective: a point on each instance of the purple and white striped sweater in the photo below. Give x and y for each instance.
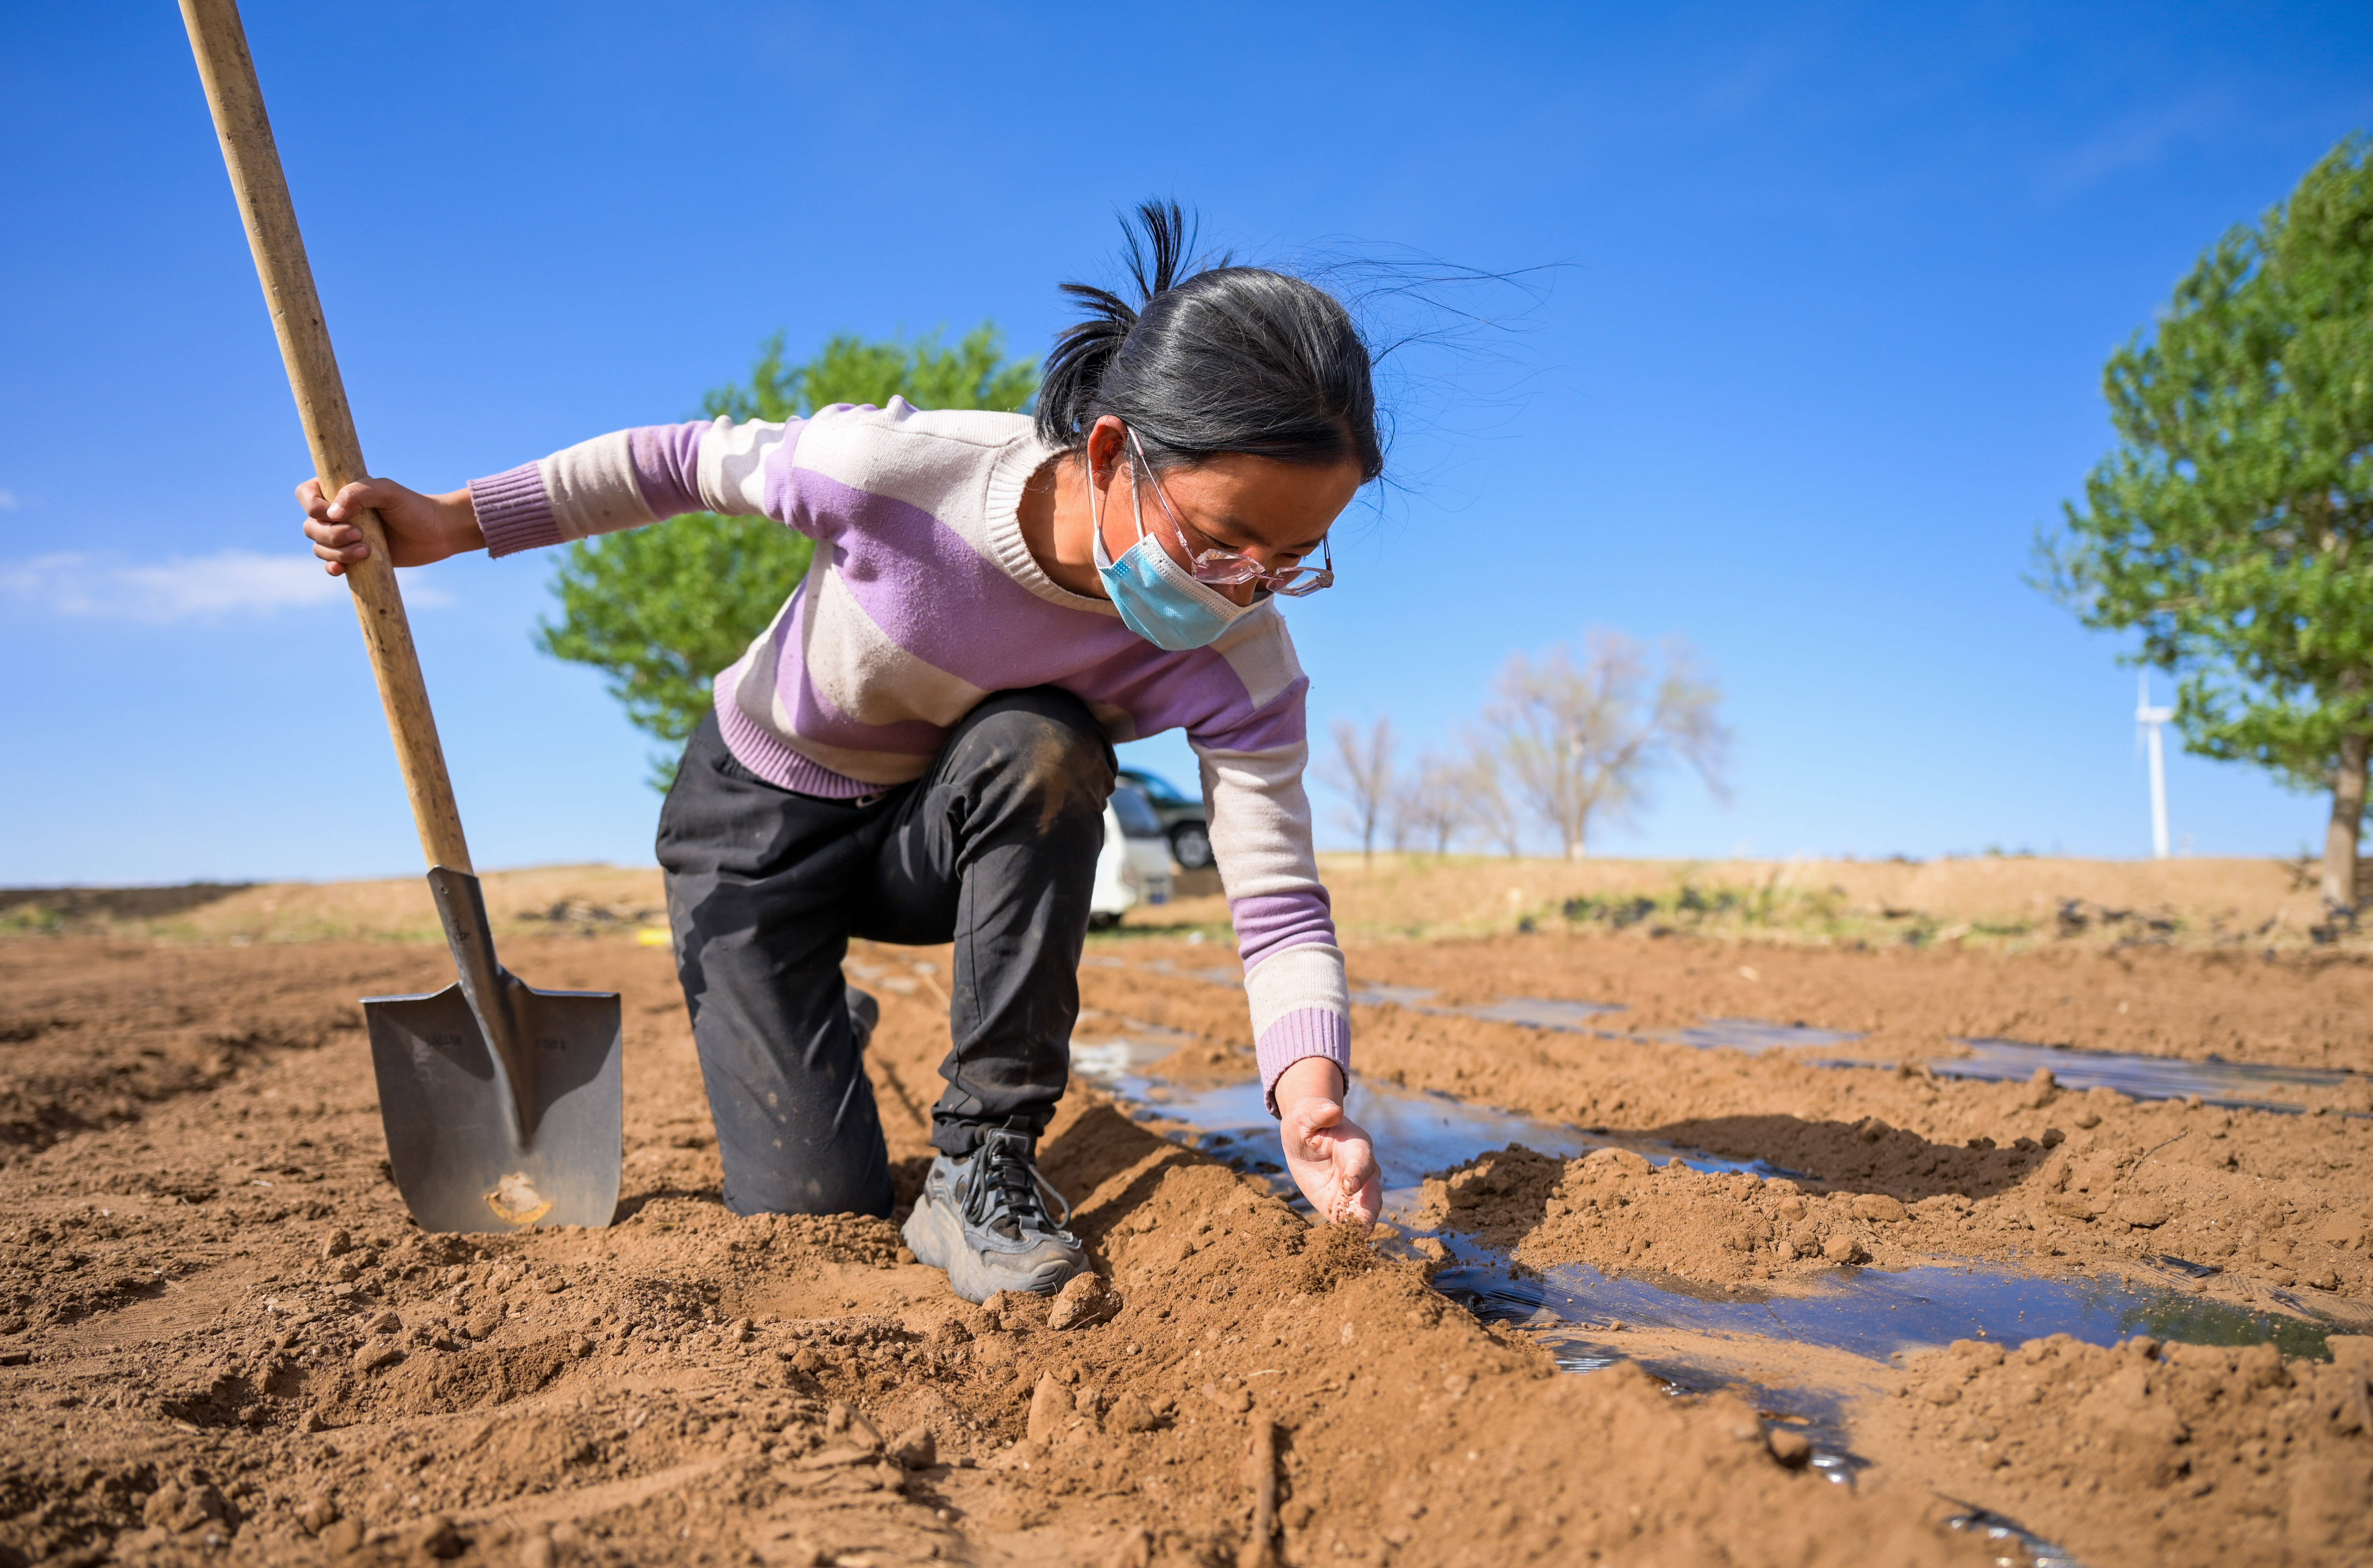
(922, 600)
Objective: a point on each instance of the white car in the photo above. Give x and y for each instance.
(1134, 867)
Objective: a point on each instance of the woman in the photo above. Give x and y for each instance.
(918, 750)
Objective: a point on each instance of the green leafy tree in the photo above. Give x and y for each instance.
(2233, 527)
(661, 610)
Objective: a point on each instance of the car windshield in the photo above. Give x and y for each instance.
(1135, 813)
(1156, 790)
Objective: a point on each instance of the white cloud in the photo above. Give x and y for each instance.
(8, 501)
(231, 582)
(2140, 142)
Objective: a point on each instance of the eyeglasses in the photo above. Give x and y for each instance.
(1220, 567)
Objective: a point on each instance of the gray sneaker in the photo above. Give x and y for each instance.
(981, 1220)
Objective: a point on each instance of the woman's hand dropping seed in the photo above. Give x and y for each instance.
(1330, 1155)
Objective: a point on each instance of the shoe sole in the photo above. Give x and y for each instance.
(937, 1238)
(864, 1015)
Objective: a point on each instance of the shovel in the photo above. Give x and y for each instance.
(502, 1104)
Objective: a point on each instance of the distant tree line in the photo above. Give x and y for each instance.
(1569, 745)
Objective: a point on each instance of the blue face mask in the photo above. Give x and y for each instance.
(1158, 599)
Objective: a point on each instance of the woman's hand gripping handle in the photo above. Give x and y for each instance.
(420, 528)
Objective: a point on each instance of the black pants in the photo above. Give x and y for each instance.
(994, 849)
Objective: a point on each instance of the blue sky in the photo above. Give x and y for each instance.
(1821, 348)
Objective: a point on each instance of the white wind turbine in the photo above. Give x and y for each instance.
(2149, 722)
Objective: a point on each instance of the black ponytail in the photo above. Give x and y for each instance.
(1226, 359)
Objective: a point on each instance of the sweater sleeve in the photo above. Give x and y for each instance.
(629, 478)
(1295, 979)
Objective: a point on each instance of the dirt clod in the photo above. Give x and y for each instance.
(1235, 1401)
(1082, 1300)
(2042, 1088)
(1130, 1412)
(917, 1448)
(2143, 1210)
(435, 1537)
(1050, 1409)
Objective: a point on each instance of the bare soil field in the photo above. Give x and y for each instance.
(222, 1339)
(1987, 901)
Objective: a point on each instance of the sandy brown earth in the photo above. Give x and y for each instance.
(2307, 1008)
(1902, 1169)
(2007, 900)
(1987, 901)
(220, 1336)
(2009, 1172)
(224, 1338)
(2147, 1452)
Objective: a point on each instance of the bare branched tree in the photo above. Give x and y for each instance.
(1430, 805)
(1361, 771)
(1581, 742)
(1402, 827)
(1482, 777)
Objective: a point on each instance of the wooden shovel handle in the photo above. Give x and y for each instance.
(220, 42)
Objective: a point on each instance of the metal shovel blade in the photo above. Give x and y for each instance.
(503, 1105)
